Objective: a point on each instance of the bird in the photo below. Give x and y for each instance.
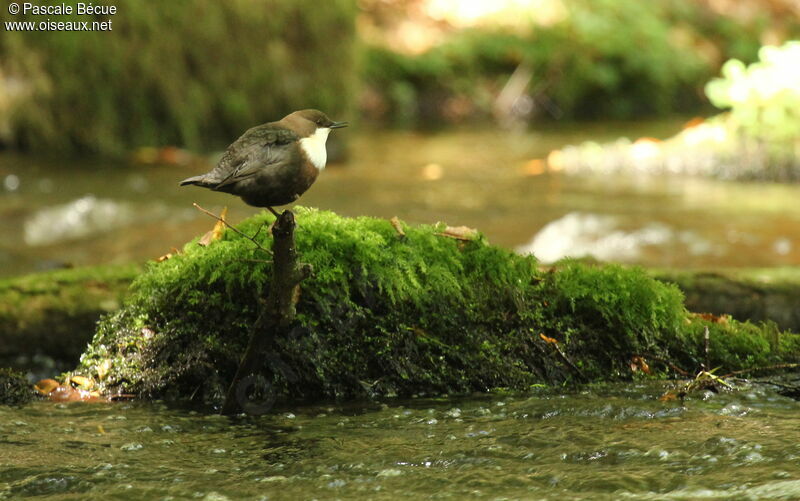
(274, 163)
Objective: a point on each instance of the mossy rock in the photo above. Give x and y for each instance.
(14, 388)
(55, 313)
(385, 314)
(754, 294)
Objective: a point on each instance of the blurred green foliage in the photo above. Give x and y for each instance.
(764, 97)
(189, 72)
(606, 58)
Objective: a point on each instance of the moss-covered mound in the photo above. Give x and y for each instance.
(386, 313)
(755, 294)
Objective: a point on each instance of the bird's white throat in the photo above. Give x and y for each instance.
(314, 147)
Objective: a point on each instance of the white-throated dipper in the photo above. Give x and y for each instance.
(275, 163)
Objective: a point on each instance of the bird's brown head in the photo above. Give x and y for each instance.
(306, 122)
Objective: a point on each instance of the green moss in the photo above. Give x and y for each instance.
(742, 345)
(14, 388)
(54, 313)
(386, 314)
(753, 294)
(620, 309)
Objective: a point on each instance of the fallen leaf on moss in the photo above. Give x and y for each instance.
(460, 233)
(169, 255)
(398, 226)
(84, 382)
(216, 232)
(710, 317)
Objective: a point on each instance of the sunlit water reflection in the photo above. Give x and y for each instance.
(57, 212)
(612, 442)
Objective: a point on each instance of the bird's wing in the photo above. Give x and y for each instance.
(257, 149)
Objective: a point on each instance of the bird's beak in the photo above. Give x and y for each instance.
(338, 125)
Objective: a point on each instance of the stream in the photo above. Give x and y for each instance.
(600, 442)
(71, 212)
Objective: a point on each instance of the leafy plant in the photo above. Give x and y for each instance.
(764, 97)
(605, 58)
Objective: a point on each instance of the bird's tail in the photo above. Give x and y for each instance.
(198, 180)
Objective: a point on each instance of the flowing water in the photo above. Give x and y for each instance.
(606, 442)
(73, 212)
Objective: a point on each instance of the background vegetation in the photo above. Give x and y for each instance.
(189, 72)
(195, 73)
(598, 58)
(764, 99)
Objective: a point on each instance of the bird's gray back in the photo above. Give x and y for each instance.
(261, 147)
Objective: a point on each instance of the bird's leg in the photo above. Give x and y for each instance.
(273, 211)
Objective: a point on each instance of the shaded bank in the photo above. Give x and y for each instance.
(389, 312)
(190, 73)
(14, 388)
(758, 295)
(55, 313)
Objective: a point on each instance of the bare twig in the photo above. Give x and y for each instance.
(552, 342)
(259, 230)
(667, 363)
(277, 315)
(260, 247)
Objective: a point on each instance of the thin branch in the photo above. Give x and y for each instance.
(259, 230)
(667, 363)
(208, 212)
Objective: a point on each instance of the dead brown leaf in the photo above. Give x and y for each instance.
(460, 233)
(548, 339)
(82, 381)
(639, 364)
(65, 393)
(710, 317)
(217, 232)
(398, 226)
(45, 386)
(169, 255)
(669, 396)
